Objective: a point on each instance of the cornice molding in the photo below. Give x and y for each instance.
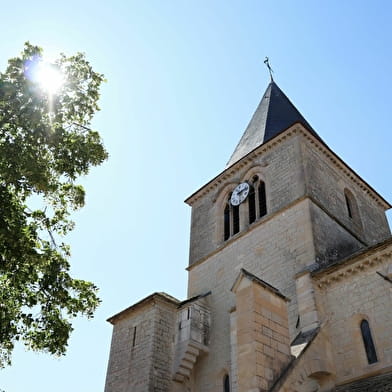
(352, 266)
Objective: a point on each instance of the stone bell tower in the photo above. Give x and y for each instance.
(285, 205)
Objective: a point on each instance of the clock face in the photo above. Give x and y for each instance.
(239, 194)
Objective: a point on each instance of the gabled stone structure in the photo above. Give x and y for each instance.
(290, 277)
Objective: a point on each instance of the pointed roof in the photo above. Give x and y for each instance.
(246, 274)
(274, 114)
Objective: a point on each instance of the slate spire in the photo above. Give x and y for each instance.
(274, 114)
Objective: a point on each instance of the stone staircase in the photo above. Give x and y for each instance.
(186, 357)
(191, 339)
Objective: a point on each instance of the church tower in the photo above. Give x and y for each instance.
(284, 209)
(284, 204)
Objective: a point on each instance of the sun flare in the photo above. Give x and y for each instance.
(49, 77)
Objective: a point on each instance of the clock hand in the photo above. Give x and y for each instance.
(242, 191)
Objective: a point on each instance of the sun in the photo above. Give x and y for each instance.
(49, 77)
(46, 74)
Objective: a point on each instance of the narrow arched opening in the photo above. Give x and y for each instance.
(236, 219)
(252, 204)
(368, 342)
(349, 203)
(231, 220)
(262, 199)
(226, 383)
(352, 207)
(226, 222)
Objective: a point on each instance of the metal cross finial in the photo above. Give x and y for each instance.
(266, 62)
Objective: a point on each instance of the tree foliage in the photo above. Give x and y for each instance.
(45, 145)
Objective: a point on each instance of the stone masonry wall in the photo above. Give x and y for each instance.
(282, 171)
(263, 348)
(326, 184)
(141, 352)
(163, 347)
(346, 297)
(130, 363)
(296, 232)
(331, 241)
(313, 371)
(233, 351)
(270, 250)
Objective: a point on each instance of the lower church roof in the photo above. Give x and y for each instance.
(318, 269)
(380, 383)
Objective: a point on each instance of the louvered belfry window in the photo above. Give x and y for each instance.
(252, 204)
(259, 198)
(256, 204)
(231, 220)
(262, 199)
(236, 219)
(227, 222)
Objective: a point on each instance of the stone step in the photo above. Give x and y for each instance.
(183, 371)
(193, 350)
(187, 364)
(190, 357)
(179, 378)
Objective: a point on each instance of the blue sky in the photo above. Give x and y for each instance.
(183, 80)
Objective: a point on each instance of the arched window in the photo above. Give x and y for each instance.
(352, 207)
(236, 219)
(231, 220)
(252, 204)
(256, 203)
(368, 342)
(227, 222)
(349, 203)
(257, 200)
(262, 199)
(226, 383)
